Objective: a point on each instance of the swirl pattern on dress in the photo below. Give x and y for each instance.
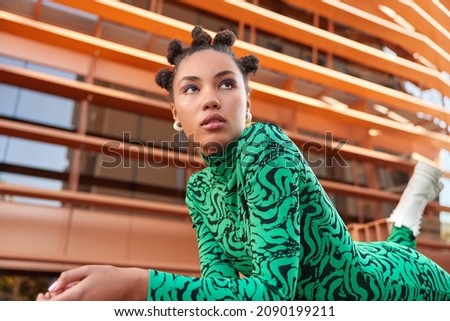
(259, 210)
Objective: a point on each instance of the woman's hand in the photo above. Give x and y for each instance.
(99, 283)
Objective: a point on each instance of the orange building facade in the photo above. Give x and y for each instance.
(91, 171)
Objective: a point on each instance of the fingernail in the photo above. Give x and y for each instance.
(53, 287)
(71, 284)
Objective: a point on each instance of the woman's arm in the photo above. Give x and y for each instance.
(213, 261)
(272, 200)
(99, 283)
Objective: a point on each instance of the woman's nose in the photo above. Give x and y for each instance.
(211, 102)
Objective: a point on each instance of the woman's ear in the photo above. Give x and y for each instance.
(248, 112)
(174, 112)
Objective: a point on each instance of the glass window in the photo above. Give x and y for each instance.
(30, 181)
(37, 67)
(25, 7)
(125, 35)
(183, 12)
(31, 162)
(144, 4)
(32, 106)
(128, 127)
(119, 175)
(112, 123)
(37, 107)
(34, 154)
(65, 16)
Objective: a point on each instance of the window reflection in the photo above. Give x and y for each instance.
(121, 175)
(34, 154)
(33, 163)
(144, 4)
(37, 107)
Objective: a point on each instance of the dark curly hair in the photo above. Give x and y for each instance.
(201, 40)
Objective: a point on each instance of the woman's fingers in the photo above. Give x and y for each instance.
(68, 279)
(41, 297)
(99, 282)
(44, 296)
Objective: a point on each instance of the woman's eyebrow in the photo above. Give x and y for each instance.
(218, 75)
(223, 73)
(189, 78)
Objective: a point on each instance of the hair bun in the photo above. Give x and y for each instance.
(174, 50)
(249, 63)
(164, 78)
(200, 37)
(225, 38)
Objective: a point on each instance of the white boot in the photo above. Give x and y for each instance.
(423, 187)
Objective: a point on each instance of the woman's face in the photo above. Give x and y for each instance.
(210, 100)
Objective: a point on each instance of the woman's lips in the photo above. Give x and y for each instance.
(214, 121)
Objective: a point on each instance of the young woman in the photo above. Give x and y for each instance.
(266, 229)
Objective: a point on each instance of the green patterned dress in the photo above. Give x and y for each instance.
(267, 230)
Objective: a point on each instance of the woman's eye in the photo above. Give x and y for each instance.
(190, 89)
(227, 84)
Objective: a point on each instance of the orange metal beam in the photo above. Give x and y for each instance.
(437, 10)
(101, 145)
(86, 92)
(74, 140)
(101, 200)
(420, 19)
(79, 42)
(61, 137)
(300, 32)
(345, 115)
(433, 41)
(154, 23)
(369, 193)
(359, 87)
(164, 208)
(110, 97)
(142, 19)
(350, 152)
(374, 25)
(78, 90)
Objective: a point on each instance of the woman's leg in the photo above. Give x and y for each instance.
(402, 235)
(423, 187)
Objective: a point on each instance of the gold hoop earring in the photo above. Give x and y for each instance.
(177, 126)
(248, 118)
